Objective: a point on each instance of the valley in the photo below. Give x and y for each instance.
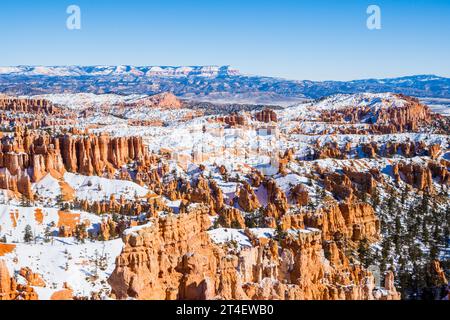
(149, 193)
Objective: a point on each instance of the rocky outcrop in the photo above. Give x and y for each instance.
(149, 266)
(231, 218)
(233, 120)
(93, 154)
(28, 156)
(299, 194)
(205, 191)
(389, 286)
(165, 100)
(6, 283)
(27, 105)
(173, 258)
(345, 185)
(355, 221)
(408, 116)
(10, 289)
(247, 198)
(414, 174)
(277, 197)
(266, 115)
(440, 171)
(407, 149)
(256, 178)
(33, 279)
(329, 150)
(33, 113)
(340, 185)
(437, 274)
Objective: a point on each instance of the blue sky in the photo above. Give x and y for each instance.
(314, 39)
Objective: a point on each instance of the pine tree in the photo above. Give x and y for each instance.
(404, 195)
(112, 230)
(279, 233)
(375, 198)
(364, 252)
(47, 234)
(80, 232)
(28, 236)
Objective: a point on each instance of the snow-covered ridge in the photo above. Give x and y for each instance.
(372, 100)
(123, 70)
(79, 101)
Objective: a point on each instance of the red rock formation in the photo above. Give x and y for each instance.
(233, 120)
(440, 172)
(409, 117)
(292, 221)
(33, 279)
(277, 197)
(99, 154)
(29, 156)
(390, 287)
(10, 290)
(438, 277)
(389, 119)
(205, 191)
(247, 198)
(266, 115)
(434, 151)
(256, 178)
(33, 113)
(340, 185)
(364, 181)
(27, 105)
(354, 221)
(329, 150)
(173, 258)
(299, 195)
(370, 149)
(343, 186)
(414, 174)
(165, 100)
(231, 218)
(148, 267)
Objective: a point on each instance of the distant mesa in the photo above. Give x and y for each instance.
(123, 70)
(165, 100)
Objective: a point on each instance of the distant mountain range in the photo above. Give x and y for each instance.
(133, 71)
(203, 83)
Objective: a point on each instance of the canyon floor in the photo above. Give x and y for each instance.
(152, 197)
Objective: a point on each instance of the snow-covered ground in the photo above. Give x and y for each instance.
(97, 189)
(191, 142)
(225, 235)
(84, 267)
(14, 220)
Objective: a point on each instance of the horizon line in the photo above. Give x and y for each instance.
(231, 67)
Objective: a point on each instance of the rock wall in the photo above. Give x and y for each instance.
(355, 221)
(266, 115)
(28, 156)
(10, 290)
(173, 258)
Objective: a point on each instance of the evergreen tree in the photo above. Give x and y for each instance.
(375, 198)
(28, 236)
(47, 234)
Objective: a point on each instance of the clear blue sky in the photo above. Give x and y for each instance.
(297, 39)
